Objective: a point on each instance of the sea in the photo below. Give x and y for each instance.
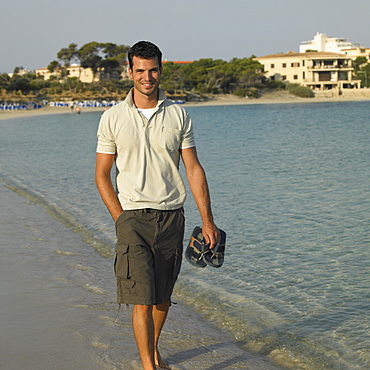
(290, 186)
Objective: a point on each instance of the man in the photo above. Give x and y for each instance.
(145, 136)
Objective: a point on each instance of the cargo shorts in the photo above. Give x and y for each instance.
(148, 255)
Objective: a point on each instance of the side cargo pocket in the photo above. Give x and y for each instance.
(125, 285)
(175, 272)
(177, 262)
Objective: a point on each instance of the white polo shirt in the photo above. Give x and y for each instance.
(147, 152)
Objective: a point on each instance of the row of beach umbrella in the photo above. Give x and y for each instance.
(19, 106)
(31, 105)
(84, 104)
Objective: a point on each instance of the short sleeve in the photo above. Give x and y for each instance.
(188, 134)
(106, 141)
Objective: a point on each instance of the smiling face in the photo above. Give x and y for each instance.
(145, 74)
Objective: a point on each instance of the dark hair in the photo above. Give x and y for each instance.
(145, 50)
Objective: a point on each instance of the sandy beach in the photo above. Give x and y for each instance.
(55, 313)
(279, 97)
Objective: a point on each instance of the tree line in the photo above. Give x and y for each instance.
(243, 77)
(108, 60)
(108, 57)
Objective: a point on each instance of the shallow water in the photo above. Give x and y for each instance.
(289, 185)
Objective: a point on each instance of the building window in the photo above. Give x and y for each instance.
(283, 78)
(304, 75)
(295, 64)
(284, 65)
(272, 65)
(295, 77)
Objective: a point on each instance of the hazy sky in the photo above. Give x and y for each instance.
(33, 31)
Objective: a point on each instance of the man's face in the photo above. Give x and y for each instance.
(146, 74)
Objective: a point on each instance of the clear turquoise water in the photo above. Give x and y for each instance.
(290, 185)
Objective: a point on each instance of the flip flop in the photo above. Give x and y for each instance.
(215, 257)
(196, 248)
(198, 253)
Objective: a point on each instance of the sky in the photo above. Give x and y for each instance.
(32, 32)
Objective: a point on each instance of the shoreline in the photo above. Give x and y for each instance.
(282, 97)
(61, 294)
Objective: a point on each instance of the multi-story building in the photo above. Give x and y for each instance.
(85, 75)
(322, 42)
(21, 72)
(317, 70)
(358, 52)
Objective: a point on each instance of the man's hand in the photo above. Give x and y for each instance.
(211, 235)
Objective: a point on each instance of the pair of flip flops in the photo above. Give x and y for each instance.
(199, 254)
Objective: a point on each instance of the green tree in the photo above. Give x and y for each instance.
(90, 58)
(107, 57)
(299, 90)
(38, 84)
(173, 78)
(20, 84)
(204, 75)
(117, 52)
(67, 55)
(359, 62)
(364, 75)
(17, 70)
(4, 81)
(53, 66)
(109, 65)
(246, 72)
(362, 70)
(167, 77)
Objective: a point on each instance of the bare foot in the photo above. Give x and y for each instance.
(159, 363)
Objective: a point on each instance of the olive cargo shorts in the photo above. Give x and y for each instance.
(148, 255)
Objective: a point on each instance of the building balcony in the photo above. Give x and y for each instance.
(329, 81)
(331, 67)
(328, 85)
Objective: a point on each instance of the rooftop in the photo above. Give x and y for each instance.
(307, 55)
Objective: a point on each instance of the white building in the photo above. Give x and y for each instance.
(83, 74)
(322, 42)
(317, 70)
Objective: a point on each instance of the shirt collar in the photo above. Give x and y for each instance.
(130, 101)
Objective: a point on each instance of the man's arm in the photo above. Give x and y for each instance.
(104, 163)
(199, 187)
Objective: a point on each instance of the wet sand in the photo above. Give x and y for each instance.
(57, 312)
(39, 327)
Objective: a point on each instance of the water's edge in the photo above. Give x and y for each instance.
(181, 295)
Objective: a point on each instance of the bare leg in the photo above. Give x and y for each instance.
(159, 317)
(143, 325)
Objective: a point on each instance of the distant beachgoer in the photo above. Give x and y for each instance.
(146, 135)
(78, 110)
